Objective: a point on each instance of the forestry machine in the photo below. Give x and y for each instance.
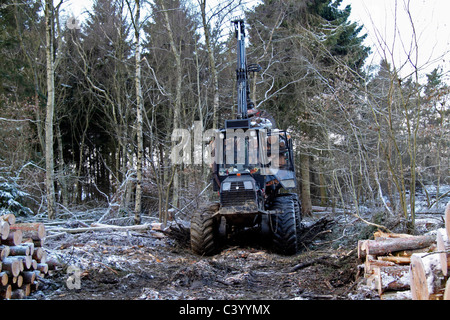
(253, 172)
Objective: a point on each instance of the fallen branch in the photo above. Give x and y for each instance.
(103, 228)
(322, 260)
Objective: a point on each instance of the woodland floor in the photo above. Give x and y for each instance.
(132, 265)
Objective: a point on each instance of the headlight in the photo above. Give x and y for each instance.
(288, 183)
(226, 186)
(248, 185)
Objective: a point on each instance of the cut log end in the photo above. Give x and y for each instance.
(447, 291)
(418, 279)
(14, 238)
(5, 292)
(427, 280)
(447, 219)
(443, 247)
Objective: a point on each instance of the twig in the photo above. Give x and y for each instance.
(322, 260)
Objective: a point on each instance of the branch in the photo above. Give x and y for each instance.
(103, 227)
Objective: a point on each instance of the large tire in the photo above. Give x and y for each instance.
(298, 213)
(284, 226)
(204, 230)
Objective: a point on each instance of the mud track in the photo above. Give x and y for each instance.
(136, 265)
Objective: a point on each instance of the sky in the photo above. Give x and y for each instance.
(394, 37)
(389, 30)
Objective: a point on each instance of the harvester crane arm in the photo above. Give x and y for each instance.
(241, 70)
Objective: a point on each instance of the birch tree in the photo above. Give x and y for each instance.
(139, 109)
(49, 158)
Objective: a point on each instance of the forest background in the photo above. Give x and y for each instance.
(87, 109)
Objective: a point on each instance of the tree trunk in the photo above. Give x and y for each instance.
(62, 176)
(49, 166)
(177, 104)
(140, 137)
(323, 189)
(212, 65)
(306, 189)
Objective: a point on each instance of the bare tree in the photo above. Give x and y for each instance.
(397, 112)
(49, 158)
(139, 109)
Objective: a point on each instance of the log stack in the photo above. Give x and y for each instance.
(387, 259)
(430, 272)
(400, 262)
(22, 257)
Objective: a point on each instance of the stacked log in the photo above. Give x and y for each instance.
(22, 257)
(430, 272)
(387, 258)
(399, 262)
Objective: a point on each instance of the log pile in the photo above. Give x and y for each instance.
(400, 262)
(22, 256)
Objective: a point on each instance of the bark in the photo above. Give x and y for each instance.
(371, 263)
(28, 276)
(21, 250)
(35, 231)
(62, 178)
(212, 64)
(177, 102)
(139, 121)
(102, 228)
(306, 188)
(49, 158)
(323, 189)
(386, 246)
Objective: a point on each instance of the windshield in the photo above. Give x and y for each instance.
(249, 151)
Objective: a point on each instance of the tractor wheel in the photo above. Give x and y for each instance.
(298, 213)
(284, 226)
(204, 230)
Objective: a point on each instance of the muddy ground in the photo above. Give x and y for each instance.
(131, 265)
